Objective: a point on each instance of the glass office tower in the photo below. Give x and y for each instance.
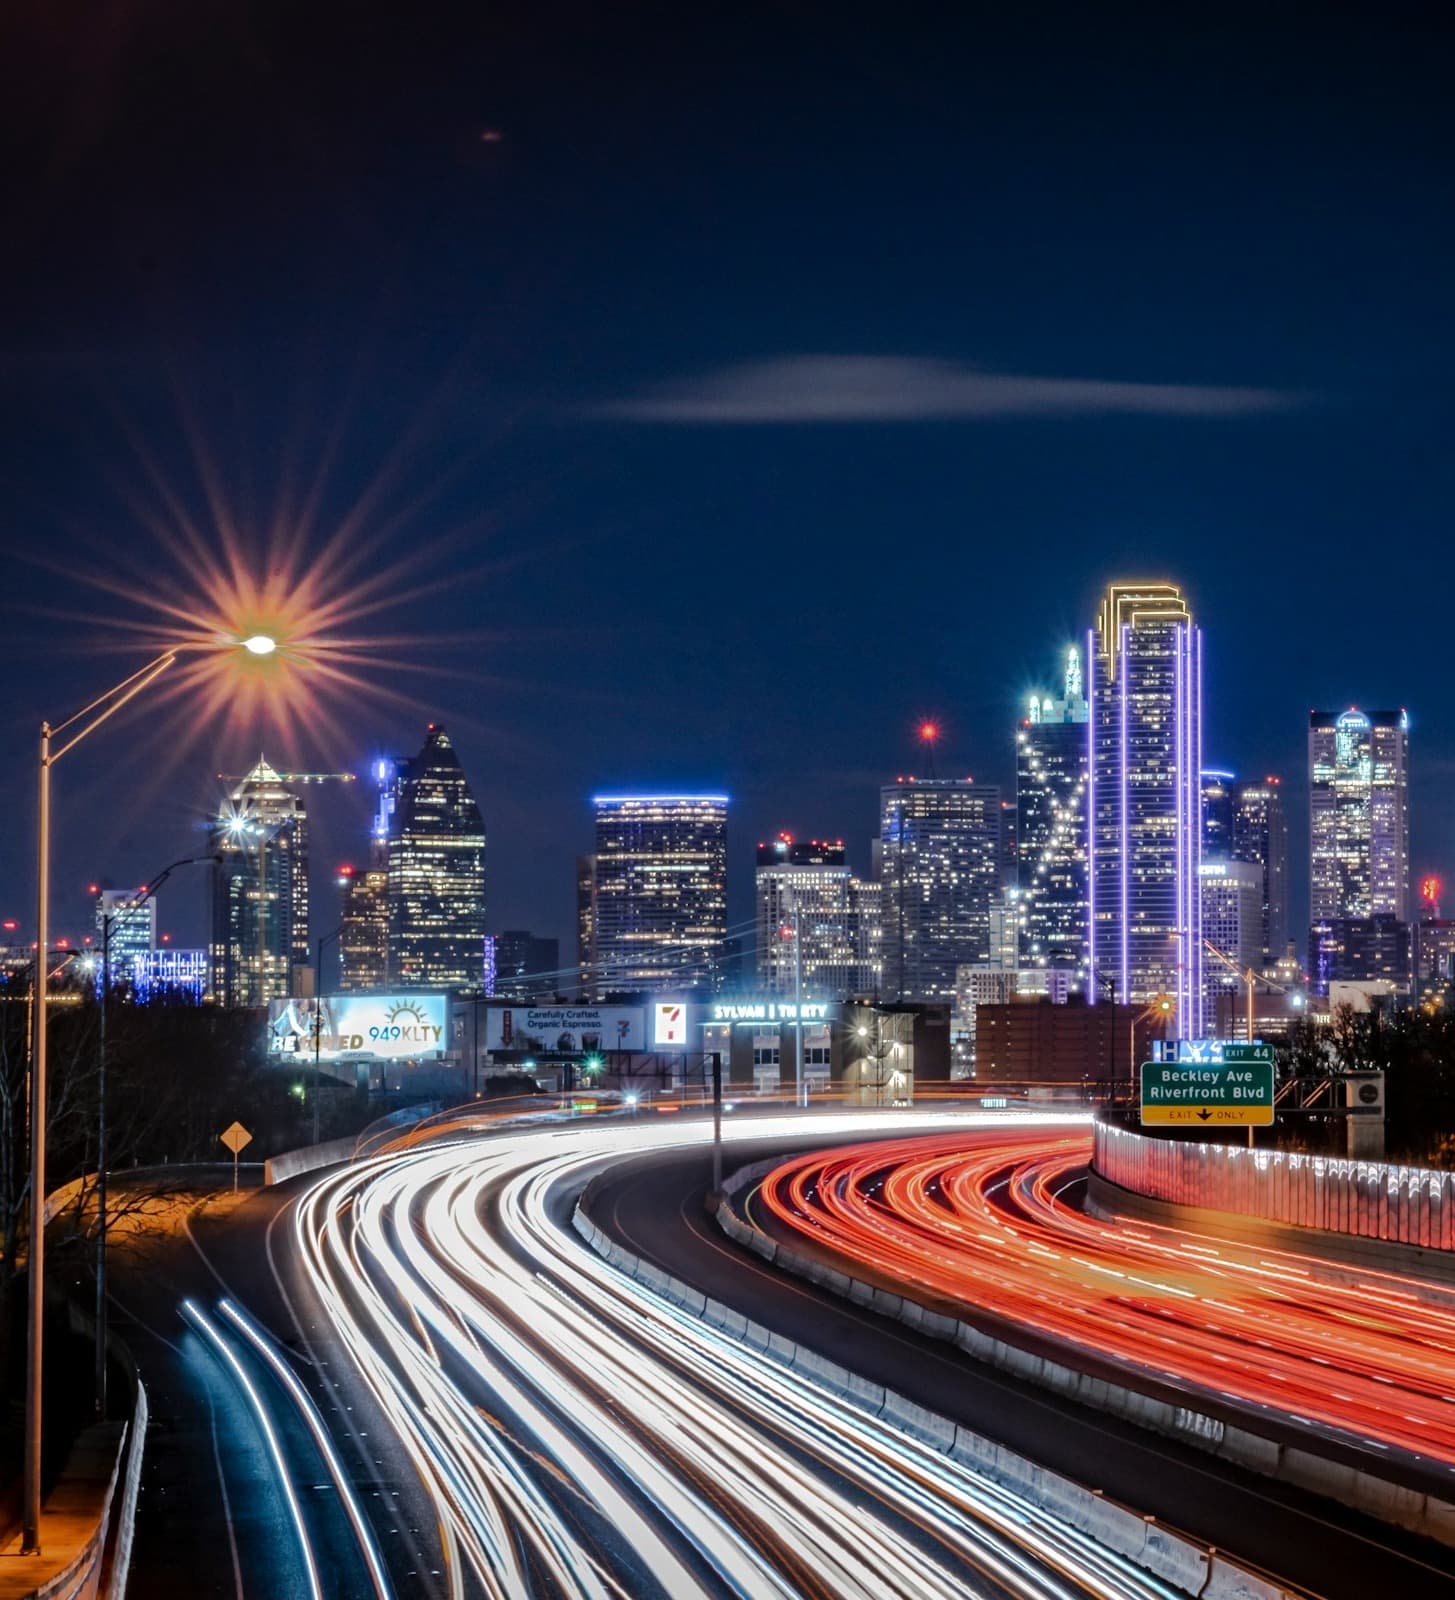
(652, 898)
(436, 867)
(939, 855)
(1051, 784)
(1144, 838)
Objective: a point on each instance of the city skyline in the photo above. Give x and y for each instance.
(1015, 423)
(535, 907)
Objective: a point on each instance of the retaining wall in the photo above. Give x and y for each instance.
(1364, 1199)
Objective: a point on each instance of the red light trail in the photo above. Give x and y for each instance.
(982, 1223)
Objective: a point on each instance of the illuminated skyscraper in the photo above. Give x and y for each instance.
(805, 885)
(652, 899)
(133, 932)
(1051, 783)
(939, 864)
(1217, 813)
(1359, 818)
(363, 946)
(1145, 811)
(260, 890)
(1232, 922)
(1260, 835)
(436, 856)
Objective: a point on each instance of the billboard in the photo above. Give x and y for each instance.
(564, 1030)
(669, 1024)
(382, 1027)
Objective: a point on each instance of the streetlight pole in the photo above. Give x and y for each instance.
(800, 1085)
(108, 920)
(86, 720)
(323, 939)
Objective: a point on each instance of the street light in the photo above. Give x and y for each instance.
(1161, 1003)
(108, 919)
(85, 721)
(323, 939)
(261, 644)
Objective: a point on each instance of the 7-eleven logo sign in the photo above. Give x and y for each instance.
(671, 1023)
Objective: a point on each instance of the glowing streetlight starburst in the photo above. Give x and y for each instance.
(276, 629)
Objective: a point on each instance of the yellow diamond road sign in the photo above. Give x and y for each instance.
(237, 1138)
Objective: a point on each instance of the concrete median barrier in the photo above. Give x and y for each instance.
(1349, 1485)
(1166, 1554)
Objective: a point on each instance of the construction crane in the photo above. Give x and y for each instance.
(292, 777)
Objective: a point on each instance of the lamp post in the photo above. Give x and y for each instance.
(1162, 1003)
(109, 919)
(1109, 982)
(85, 721)
(323, 939)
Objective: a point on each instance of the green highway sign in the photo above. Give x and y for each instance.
(1237, 1090)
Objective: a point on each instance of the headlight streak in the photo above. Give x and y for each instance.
(695, 1442)
(363, 1533)
(987, 1225)
(210, 1333)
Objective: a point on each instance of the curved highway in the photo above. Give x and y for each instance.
(440, 1390)
(578, 1436)
(1358, 1356)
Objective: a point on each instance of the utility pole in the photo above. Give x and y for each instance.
(99, 1379)
(717, 1122)
(109, 919)
(801, 1085)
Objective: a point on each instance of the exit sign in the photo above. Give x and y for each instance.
(1237, 1090)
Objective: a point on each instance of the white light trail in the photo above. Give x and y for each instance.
(547, 1401)
(209, 1330)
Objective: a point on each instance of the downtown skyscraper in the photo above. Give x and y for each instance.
(652, 897)
(1359, 814)
(940, 867)
(1051, 868)
(436, 872)
(259, 890)
(1260, 836)
(806, 892)
(1144, 835)
(1243, 823)
(1359, 847)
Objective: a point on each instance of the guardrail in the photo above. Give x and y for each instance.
(1364, 1199)
(88, 1519)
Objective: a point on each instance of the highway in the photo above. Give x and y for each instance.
(580, 1437)
(449, 1382)
(655, 1207)
(421, 1382)
(1358, 1357)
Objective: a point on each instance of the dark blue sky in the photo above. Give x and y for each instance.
(778, 375)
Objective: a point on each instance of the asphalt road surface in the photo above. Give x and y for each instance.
(407, 1377)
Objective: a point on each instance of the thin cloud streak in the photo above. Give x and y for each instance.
(818, 388)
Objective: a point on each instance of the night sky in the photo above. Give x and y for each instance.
(712, 391)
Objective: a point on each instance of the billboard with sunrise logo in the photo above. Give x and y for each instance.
(358, 1027)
